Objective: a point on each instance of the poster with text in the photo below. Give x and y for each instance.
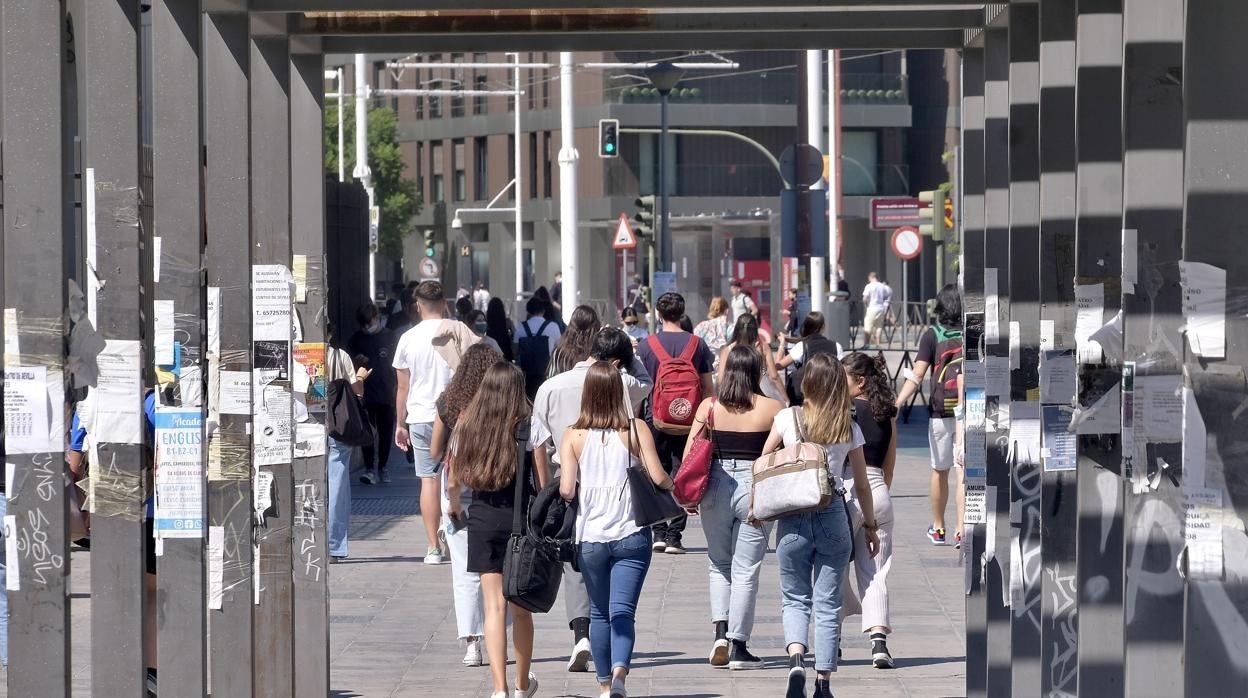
(179, 473)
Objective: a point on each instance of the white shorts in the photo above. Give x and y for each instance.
(873, 320)
(940, 433)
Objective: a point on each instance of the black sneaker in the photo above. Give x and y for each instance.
(797, 677)
(367, 478)
(739, 657)
(674, 547)
(880, 656)
(823, 689)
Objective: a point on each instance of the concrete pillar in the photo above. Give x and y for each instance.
(1059, 630)
(1098, 252)
(1024, 340)
(1215, 100)
(1152, 120)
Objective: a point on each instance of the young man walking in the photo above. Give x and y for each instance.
(557, 406)
(875, 303)
(672, 352)
(424, 363)
(741, 303)
(377, 342)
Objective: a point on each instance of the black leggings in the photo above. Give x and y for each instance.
(382, 417)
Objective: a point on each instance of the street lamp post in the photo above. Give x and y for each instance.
(664, 77)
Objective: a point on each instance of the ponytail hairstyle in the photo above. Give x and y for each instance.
(745, 334)
(876, 387)
(826, 408)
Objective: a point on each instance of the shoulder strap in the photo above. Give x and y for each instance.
(657, 347)
(517, 515)
(690, 349)
(542, 329)
(528, 331)
(797, 424)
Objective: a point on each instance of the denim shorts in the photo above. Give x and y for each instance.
(421, 436)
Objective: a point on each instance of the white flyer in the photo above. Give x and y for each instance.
(1195, 441)
(270, 302)
(998, 376)
(163, 315)
(1025, 432)
(27, 413)
(1202, 530)
(992, 307)
(179, 473)
(1057, 377)
(976, 504)
(1047, 333)
(263, 493)
(1158, 409)
(235, 392)
(309, 439)
(1104, 416)
(272, 437)
(1204, 308)
(1089, 317)
(118, 393)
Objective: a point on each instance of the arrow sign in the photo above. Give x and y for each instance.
(624, 237)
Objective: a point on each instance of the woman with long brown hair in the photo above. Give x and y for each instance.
(614, 553)
(483, 459)
(739, 421)
(469, 610)
(813, 548)
(576, 341)
(746, 333)
(875, 413)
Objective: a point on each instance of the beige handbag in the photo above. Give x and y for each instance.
(792, 480)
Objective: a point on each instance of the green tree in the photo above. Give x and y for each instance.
(396, 195)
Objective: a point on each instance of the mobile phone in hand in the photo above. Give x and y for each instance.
(458, 522)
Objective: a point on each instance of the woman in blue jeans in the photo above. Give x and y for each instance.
(814, 547)
(598, 450)
(739, 422)
(340, 365)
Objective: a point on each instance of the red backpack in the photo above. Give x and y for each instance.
(677, 387)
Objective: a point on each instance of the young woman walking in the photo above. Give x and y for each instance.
(876, 416)
(597, 451)
(575, 343)
(483, 458)
(469, 609)
(813, 547)
(746, 333)
(739, 421)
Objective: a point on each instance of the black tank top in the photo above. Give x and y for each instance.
(739, 445)
(876, 434)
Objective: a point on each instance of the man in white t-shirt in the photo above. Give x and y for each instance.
(741, 303)
(875, 297)
(423, 372)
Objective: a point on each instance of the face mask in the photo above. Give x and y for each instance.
(374, 327)
(479, 328)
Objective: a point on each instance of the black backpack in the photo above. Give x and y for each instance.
(534, 356)
(816, 344)
(532, 570)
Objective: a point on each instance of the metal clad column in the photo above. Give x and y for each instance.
(34, 289)
(226, 203)
(1215, 98)
(1059, 632)
(1098, 252)
(1152, 300)
(272, 324)
(307, 211)
(107, 60)
(972, 280)
(1024, 282)
(996, 331)
(181, 622)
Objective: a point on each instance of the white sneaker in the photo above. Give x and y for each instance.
(433, 556)
(617, 689)
(472, 657)
(719, 652)
(528, 692)
(581, 655)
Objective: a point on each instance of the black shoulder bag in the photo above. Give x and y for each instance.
(532, 571)
(345, 418)
(651, 505)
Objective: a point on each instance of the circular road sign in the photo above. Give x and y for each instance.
(907, 243)
(429, 269)
(812, 170)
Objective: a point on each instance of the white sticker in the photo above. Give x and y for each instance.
(1204, 308)
(26, 410)
(1025, 432)
(263, 493)
(214, 321)
(309, 440)
(1089, 316)
(216, 565)
(1016, 345)
(992, 310)
(13, 573)
(118, 393)
(1130, 273)
(163, 338)
(156, 259)
(1202, 530)
(1047, 335)
(235, 392)
(299, 268)
(12, 346)
(975, 504)
(270, 302)
(274, 420)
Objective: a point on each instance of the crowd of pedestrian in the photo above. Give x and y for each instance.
(596, 410)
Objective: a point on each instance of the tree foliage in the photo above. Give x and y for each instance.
(396, 195)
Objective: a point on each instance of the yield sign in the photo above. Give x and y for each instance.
(624, 237)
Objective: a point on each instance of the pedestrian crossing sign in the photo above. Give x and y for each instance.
(624, 237)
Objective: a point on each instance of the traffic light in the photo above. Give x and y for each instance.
(644, 219)
(936, 212)
(609, 138)
(430, 244)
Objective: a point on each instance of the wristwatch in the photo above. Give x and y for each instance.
(873, 526)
